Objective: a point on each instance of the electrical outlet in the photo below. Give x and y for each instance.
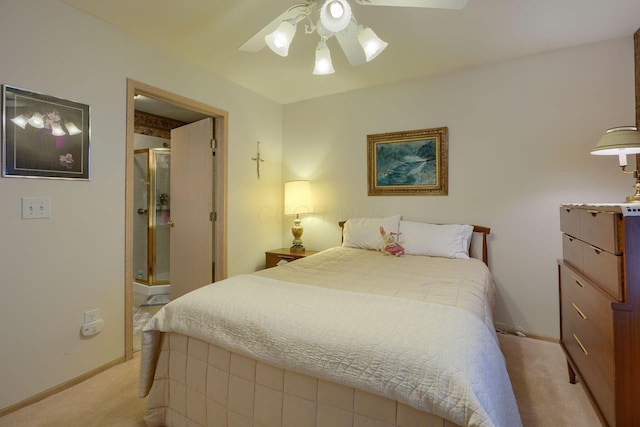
(92, 328)
(91, 315)
(36, 207)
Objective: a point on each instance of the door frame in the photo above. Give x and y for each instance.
(221, 124)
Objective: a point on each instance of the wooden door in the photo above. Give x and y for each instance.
(191, 235)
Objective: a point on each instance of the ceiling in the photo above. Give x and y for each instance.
(422, 42)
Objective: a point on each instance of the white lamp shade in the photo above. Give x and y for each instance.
(620, 140)
(37, 120)
(323, 63)
(297, 198)
(20, 120)
(72, 128)
(335, 15)
(56, 130)
(280, 40)
(371, 43)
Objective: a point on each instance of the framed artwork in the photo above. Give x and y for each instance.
(409, 163)
(43, 136)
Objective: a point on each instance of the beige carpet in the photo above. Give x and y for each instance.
(537, 369)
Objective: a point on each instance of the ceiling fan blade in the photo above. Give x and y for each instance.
(348, 40)
(256, 42)
(435, 4)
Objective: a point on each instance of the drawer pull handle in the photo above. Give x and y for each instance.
(593, 213)
(578, 281)
(580, 344)
(285, 257)
(596, 250)
(579, 311)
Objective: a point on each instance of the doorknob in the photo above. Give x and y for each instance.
(142, 211)
(170, 223)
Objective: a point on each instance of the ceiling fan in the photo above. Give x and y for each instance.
(330, 18)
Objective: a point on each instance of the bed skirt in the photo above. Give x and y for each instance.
(228, 390)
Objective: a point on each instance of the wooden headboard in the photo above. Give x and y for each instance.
(483, 231)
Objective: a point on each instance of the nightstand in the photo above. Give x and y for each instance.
(276, 256)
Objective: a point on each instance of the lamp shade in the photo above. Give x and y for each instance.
(279, 40)
(323, 63)
(371, 43)
(620, 140)
(297, 198)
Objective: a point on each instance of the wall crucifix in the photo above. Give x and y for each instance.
(257, 158)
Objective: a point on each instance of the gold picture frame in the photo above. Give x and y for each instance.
(408, 163)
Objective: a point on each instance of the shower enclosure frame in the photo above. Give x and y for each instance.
(152, 211)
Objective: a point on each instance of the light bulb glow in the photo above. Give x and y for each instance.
(323, 63)
(280, 40)
(335, 15)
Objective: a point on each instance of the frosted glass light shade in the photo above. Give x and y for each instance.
(20, 120)
(323, 63)
(37, 120)
(72, 128)
(280, 40)
(371, 43)
(56, 130)
(297, 198)
(335, 15)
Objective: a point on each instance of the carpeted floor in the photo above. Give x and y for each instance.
(537, 370)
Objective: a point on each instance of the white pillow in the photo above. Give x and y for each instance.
(446, 240)
(365, 232)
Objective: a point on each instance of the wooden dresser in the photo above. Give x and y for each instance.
(600, 306)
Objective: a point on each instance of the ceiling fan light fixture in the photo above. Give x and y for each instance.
(371, 43)
(280, 40)
(335, 15)
(323, 63)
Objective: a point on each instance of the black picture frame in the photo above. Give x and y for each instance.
(44, 136)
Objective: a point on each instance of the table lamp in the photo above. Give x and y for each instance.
(297, 201)
(621, 141)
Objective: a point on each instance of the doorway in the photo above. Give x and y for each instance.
(220, 119)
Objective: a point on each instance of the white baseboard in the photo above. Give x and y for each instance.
(150, 290)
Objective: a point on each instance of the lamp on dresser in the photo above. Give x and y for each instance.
(621, 141)
(297, 201)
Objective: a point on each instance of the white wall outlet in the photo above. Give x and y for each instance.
(36, 207)
(92, 328)
(91, 315)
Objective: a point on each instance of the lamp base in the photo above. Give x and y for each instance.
(636, 197)
(297, 230)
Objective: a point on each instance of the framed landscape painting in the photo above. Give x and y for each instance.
(43, 136)
(409, 163)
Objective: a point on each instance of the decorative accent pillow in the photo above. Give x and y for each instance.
(441, 240)
(364, 233)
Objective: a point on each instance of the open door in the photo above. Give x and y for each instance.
(191, 235)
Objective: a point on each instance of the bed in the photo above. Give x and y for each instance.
(350, 336)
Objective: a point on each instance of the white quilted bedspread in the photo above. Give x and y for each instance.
(434, 357)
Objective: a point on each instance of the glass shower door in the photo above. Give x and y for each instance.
(152, 216)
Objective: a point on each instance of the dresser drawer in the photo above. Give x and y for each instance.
(572, 251)
(570, 221)
(598, 228)
(587, 335)
(600, 266)
(605, 269)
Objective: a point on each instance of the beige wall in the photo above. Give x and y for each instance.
(53, 270)
(520, 133)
